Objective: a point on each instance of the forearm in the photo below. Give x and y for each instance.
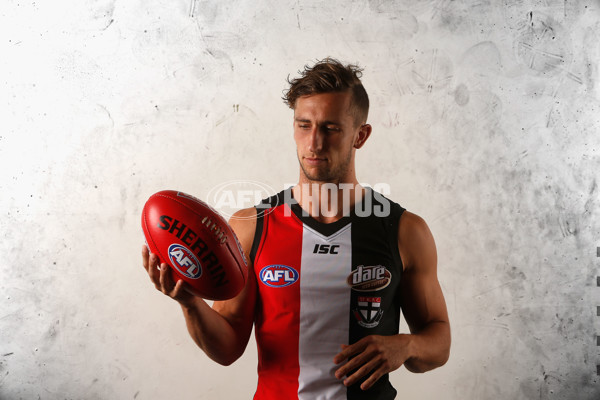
(213, 333)
(429, 348)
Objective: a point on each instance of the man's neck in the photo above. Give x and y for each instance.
(327, 202)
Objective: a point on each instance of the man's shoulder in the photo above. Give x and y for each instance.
(414, 237)
(243, 222)
(243, 217)
(413, 227)
(412, 221)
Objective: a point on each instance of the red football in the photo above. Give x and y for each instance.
(196, 242)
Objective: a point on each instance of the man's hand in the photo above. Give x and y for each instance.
(373, 356)
(163, 279)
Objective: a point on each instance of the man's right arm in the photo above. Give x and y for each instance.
(222, 331)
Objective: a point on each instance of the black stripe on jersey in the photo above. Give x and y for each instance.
(375, 242)
(257, 237)
(261, 209)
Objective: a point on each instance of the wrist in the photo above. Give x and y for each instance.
(190, 304)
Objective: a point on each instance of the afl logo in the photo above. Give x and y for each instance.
(277, 275)
(184, 261)
(366, 279)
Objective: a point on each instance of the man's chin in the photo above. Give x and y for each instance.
(316, 174)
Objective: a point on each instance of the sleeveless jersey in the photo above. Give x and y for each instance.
(321, 286)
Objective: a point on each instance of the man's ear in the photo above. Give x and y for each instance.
(363, 135)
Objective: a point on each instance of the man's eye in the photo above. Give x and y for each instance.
(332, 128)
(304, 126)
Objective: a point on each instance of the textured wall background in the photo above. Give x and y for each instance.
(485, 119)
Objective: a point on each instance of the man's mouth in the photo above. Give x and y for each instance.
(314, 161)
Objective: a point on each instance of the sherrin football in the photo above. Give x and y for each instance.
(196, 242)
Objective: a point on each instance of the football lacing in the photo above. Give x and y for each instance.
(215, 229)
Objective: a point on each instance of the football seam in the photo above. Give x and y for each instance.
(236, 260)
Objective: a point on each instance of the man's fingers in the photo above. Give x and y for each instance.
(348, 351)
(145, 255)
(361, 372)
(366, 385)
(153, 271)
(375, 357)
(352, 364)
(166, 280)
(179, 289)
(162, 278)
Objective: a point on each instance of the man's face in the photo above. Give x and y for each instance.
(325, 133)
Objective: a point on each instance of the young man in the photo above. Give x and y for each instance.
(331, 264)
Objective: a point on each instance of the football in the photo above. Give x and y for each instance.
(196, 242)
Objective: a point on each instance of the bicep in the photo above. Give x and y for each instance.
(421, 296)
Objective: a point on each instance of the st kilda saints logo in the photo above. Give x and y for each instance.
(368, 313)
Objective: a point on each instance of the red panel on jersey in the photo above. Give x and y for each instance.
(278, 283)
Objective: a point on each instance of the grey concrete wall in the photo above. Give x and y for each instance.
(485, 118)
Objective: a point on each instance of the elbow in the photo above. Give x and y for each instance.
(226, 362)
(415, 368)
(432, 361)
(419, 367)
(224, 359)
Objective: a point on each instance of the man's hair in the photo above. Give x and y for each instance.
(330, 76)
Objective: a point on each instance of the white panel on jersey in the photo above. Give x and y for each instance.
(324, 312)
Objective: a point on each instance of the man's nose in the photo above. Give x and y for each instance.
(315, 144)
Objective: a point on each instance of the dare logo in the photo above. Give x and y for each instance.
(369, 278)
(185, 261)
(278, 275)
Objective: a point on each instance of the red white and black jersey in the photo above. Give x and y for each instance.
(321, 286)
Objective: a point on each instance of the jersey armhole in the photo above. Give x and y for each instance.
(396, 214)
(257, 236)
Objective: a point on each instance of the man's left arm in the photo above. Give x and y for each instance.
(428, 345)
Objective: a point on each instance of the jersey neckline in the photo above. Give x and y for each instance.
(326, 229)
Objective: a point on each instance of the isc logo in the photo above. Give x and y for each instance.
(326, 249)
(278, 275)
(184, 261)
